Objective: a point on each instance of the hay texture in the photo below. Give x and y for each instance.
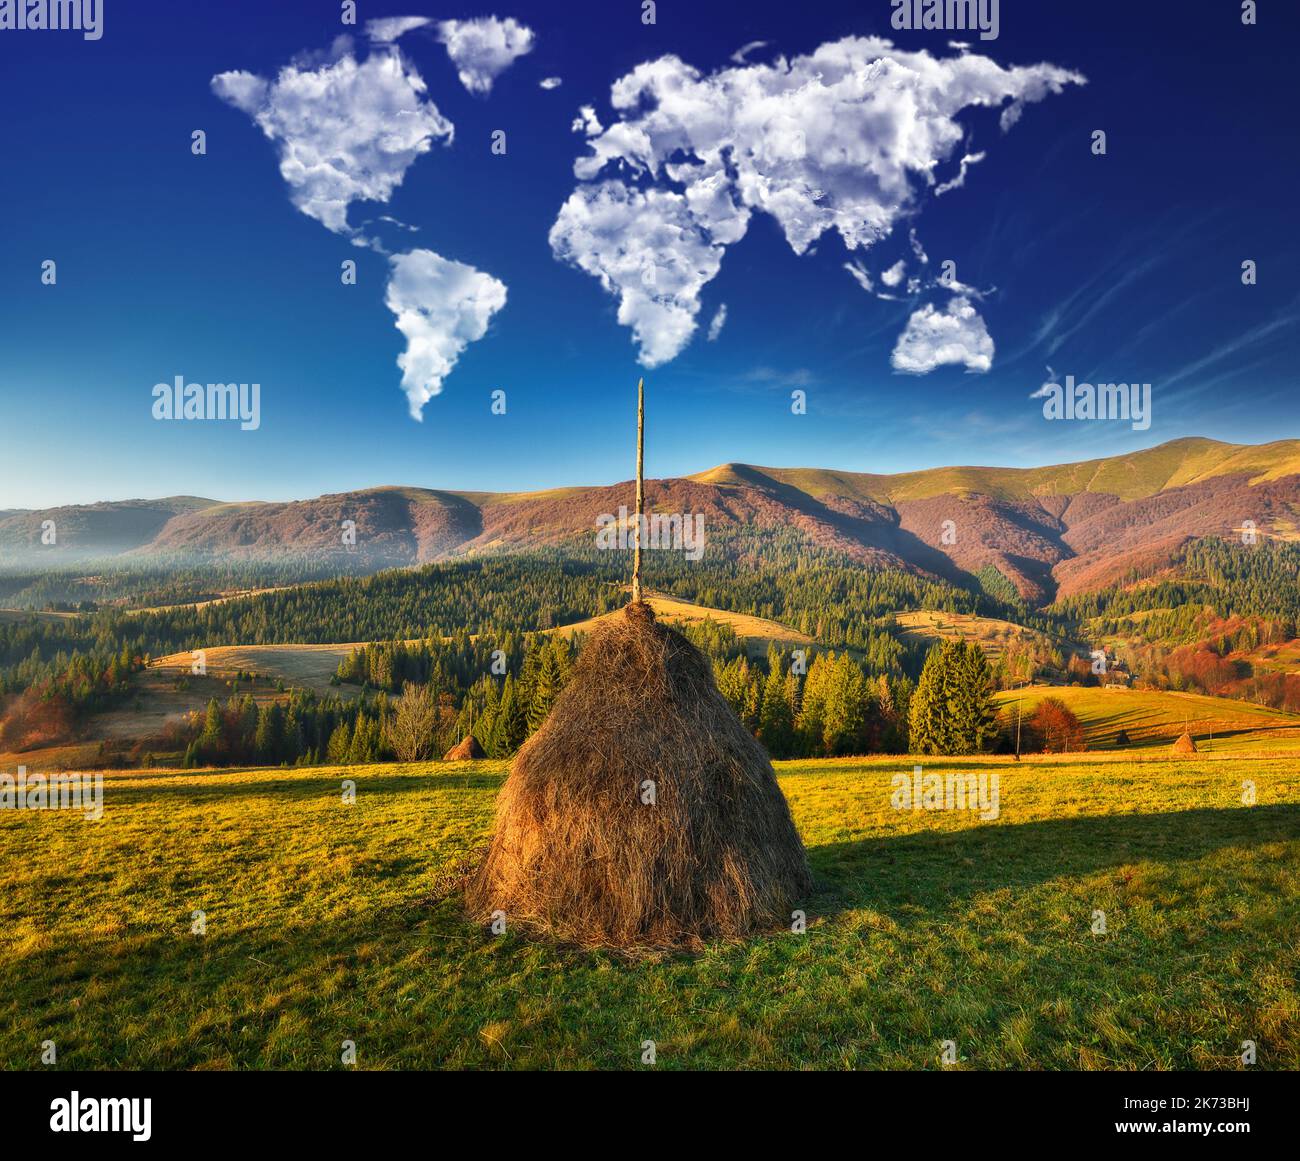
(464, 750)
(578, 856)
(1184, 745)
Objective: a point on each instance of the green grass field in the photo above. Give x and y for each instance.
(1154, 718)
(327, 922)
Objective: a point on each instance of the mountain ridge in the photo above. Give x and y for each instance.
(1049, 530)
(1196, 458)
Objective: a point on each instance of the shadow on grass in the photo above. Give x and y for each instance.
(230, 974)
(460, 973)
(926, 871)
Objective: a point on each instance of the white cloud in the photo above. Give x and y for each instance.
(549, 83)
(345, 131)
(648, 248)
(957, 286)
(917, 248)
(745, 49)
(1048, 383)
(799, 377)
(845, 139)
(719, 321)
(935, 338)
(388, 29)
(483, 48)
(894, 275)
(860, 275)
(960, 180)
(586, 122)
(441, 307)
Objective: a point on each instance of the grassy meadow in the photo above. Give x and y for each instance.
(328, 922)
(1154, 718)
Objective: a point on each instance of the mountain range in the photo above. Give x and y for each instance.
(1052, 531)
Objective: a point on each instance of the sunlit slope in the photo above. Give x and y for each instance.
(1154, 718)
(1133, 476)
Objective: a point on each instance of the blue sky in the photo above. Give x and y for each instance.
(1124, 267)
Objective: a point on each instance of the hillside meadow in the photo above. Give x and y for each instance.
(327, 922)
(1154, 718)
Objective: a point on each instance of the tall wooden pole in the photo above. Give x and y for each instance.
(1019, 689)
(640, 487)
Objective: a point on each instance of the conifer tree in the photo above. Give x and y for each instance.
(340, 743)
(928, 713)
(546, 688)
(845, 714)
(211, 741)
(511, 727)
(952, 710)
(976, 718)
(776, 723)
(485, 708)
(811, 725)
(266, 741)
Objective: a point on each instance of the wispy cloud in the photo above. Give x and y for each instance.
(1048, 383)
(1061, 333)
(960, 179)
(773, 377)
(1283, 322)
(739, 56)
(719, 321)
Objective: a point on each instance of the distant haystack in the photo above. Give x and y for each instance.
(1122, 738)
(464, 750)
(1184, 745)
(642, 813)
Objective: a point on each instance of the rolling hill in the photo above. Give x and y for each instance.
(1154, 718)
(160, 697)
(991, 634)
(1051, 531)
(312, 666)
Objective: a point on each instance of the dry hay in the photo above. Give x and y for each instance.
(577, 854)
(1184, 744)
(464, 750)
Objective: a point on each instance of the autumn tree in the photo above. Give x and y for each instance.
(414, 722)
(1054, 728)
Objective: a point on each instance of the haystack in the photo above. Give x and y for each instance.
(642, 813)
(464, 750)
(1185, 744)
